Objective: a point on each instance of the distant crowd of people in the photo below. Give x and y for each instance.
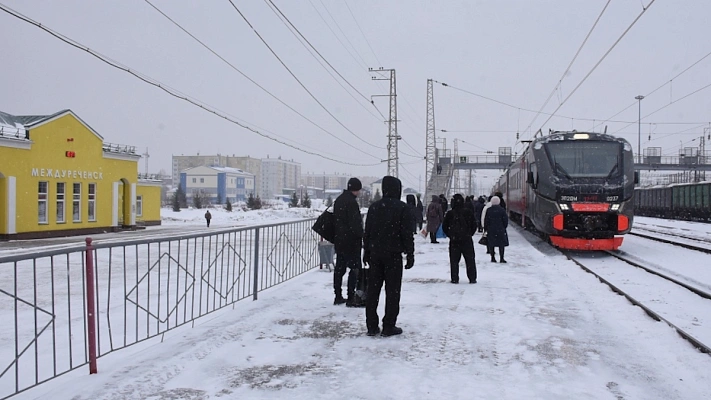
(388, 233)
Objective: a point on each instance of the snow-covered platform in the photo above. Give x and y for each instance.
(536, 328)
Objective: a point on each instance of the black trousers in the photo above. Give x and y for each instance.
(208, 222)
(493, 253)
(433, 237)
(457, 249)
(387, 269)
(346, 260)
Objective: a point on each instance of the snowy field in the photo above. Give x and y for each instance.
(536, 328)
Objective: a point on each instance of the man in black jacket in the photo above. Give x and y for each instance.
(388, 234)
(459, 226)
(478, 208)
(348, 241)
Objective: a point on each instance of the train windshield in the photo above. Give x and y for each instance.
(585, 159)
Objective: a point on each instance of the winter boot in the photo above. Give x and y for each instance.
(493, 259)
(391, 331)
(373, 331)
(338, 300)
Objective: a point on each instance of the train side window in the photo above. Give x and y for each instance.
(532, 178)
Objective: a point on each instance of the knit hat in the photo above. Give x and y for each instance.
(354, 185)
(495, 201)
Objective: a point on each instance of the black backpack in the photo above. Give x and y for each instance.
(325, 226)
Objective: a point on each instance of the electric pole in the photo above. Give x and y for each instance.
(430, 141)
(382, 75)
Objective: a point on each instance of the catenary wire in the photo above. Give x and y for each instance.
(667, 105)
(544, 113)
(658, 88)
(604, 56)
(577, 53)
(167, 89)
(252, 80)
(299, 81)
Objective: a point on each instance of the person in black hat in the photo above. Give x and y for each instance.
(388, 234)
(348, 241)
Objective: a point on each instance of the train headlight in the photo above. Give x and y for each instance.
(614, 207)
(564, 207)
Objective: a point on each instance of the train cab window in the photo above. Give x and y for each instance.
(585, 159)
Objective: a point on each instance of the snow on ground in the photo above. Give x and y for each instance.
(535, 328)
(673, 229)
(236, 217)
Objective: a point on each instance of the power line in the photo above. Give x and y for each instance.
(667, 105)
(361, 32)
(316, 50)
(250, 79)
(544, 113)
(356, 50)
(165, 88)
(644, 10)
(577, 53)
(658, 88)
(364, 66)
(299, 81)
(341, 30)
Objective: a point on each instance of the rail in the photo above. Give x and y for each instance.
(141, 289)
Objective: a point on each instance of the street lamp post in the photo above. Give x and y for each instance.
(639, 129)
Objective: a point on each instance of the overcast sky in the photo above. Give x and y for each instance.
(511, 51)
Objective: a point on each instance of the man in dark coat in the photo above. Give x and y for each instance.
(478, 208)
(501, 198)
(208, 217)
(387, 235)
(495, 223)
(348, 241)
(420, 212)
(444, 203)
(412, 205)
(459, 226)
(435, 216)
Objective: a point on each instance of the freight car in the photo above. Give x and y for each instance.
(687, 201)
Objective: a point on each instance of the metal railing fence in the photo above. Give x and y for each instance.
(141, 289)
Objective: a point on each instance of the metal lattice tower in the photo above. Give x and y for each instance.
(393, 137)
(430, 145)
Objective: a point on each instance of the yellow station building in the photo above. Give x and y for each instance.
(58, 177)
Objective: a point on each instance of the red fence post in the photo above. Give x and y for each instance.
(90, 312)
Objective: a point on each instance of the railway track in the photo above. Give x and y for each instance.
(702, 347)
(684, 245)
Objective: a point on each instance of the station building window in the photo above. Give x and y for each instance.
(194, 180)
(92, 202)
(60, 202)
(139, 206)
(76, 202)
(42, 202)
